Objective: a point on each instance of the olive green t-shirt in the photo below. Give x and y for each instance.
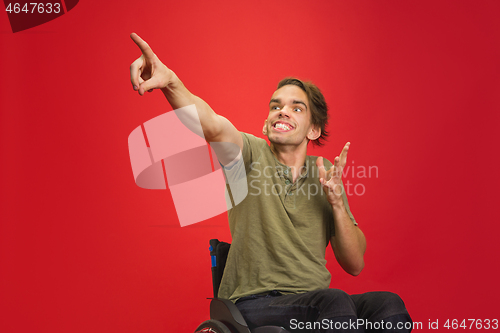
(280, 230)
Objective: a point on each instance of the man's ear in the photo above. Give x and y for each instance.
(264, 129)
(314, 132)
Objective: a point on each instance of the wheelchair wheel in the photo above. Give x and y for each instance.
(212, 326)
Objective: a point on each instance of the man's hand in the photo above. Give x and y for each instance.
(331, 180)
(148, 72)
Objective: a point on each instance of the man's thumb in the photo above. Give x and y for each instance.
(146, 86)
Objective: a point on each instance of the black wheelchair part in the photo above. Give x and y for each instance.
(224, 315)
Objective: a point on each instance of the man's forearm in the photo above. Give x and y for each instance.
(179, 96)
(349, 243)
(215, 128)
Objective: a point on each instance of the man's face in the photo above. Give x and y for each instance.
(289, 120)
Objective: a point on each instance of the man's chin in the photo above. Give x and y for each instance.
(278, 140)
(275, 138)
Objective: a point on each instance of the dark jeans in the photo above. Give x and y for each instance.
(327, 310)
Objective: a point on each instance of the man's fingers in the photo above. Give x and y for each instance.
(336, 167)
(336, 162)
(329, 174)
(343, 154)
(145, 49)
(148, 85)
(135, 73)
(321, 168)
(331, 179)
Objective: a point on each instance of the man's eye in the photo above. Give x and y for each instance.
(275, 107)
(297, 109)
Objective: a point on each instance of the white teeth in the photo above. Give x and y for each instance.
(282, 126)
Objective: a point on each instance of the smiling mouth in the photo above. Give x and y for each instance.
(282, 127)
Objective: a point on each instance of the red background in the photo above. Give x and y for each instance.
(414, 85)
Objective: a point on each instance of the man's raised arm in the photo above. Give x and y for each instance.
(148, 73)
(349, 243)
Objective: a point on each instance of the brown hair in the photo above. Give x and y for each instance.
(317, 104)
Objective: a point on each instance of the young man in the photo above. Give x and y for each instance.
(276, 271)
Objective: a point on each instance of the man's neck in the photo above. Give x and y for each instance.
(292, 156)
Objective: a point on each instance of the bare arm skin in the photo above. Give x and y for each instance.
(148, 73)
(349, 243)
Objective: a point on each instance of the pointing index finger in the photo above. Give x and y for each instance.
(145, 48)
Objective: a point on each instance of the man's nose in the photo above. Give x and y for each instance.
(285, 111)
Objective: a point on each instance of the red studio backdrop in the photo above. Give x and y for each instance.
(413, 85)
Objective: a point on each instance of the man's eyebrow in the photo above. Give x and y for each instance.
(300, 102)
(277, 100)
